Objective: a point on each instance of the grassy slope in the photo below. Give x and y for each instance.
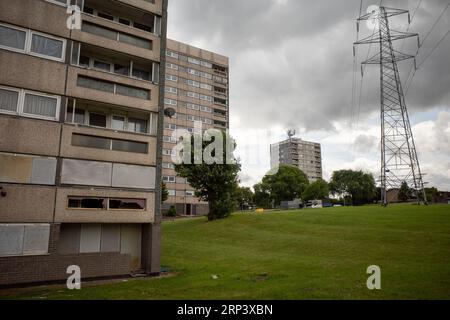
(309, 254)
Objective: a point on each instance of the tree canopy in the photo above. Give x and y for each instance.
(359, 185)
(405, 193)
(287, 184)
(214, 182)
(317, 190)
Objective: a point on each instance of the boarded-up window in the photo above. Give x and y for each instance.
(110, 241)
(90, 238)
(24, 239)
(69, 239)
(36, 238)
(80, 172)
(27, 169)
(130, 176)
(44, 171)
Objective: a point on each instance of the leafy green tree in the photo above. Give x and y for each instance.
(287, 184)
(317, 190)
(262, 197)
(164, 192)
(244, 197)
(431, 194)
(404, 193)
(213, 182)
(358, 185)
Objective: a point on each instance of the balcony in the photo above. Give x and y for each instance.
(220, 102)
(112, 89)
(124, 14)
(220, 92)
(222, 71)
(111, 35)
(220, 124)
(89, 143)
(92, 57)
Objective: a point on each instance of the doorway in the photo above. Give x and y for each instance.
(188, 209)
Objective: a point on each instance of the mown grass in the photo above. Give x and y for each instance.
(305, 254)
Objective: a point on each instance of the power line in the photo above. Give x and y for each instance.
(411, 21)
(435, 23)
(411, 74)
(425, 59)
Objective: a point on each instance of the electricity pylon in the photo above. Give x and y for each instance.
(399, 161)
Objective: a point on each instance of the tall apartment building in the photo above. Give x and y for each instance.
(303, 154)
(79, 135)
(197, 87)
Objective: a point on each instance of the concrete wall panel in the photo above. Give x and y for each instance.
(21, 135)
(35, 16)
(27, 204)
(25, 71)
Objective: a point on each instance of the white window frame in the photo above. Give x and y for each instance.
(206, 64)
(59, 3)
(193, 72)
(63, 53)
(170, 102)
(172, 66)
(206, 86)
(18, 29)
(194, 95)
(190, 193)
(171, 90)
(28, 39)
(21, 102)
(18, 100)
(170, 77)
(194, 61)
(169, 179)
(193, 83)
(170, 53)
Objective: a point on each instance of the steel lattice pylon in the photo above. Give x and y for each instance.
(399, 161)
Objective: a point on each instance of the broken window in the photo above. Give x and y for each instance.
(86, 203)
(126, 204)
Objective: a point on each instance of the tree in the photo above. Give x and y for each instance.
(214, 182)
(431, 193)
(287, 184)
(358, 185)
(404, 194)
(244, 196)
(262, 196)
(164, 192)
(318, 190)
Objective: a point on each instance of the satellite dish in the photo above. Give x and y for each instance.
(169, 112)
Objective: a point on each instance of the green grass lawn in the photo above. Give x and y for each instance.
(306, 254)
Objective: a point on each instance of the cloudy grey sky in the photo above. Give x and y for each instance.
(291, 66)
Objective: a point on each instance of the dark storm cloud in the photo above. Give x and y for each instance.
(291, 61)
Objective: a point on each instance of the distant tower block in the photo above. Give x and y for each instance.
(399, 162)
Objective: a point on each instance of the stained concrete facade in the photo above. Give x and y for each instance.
(66, 98)
(197, 87)
(305, 155)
